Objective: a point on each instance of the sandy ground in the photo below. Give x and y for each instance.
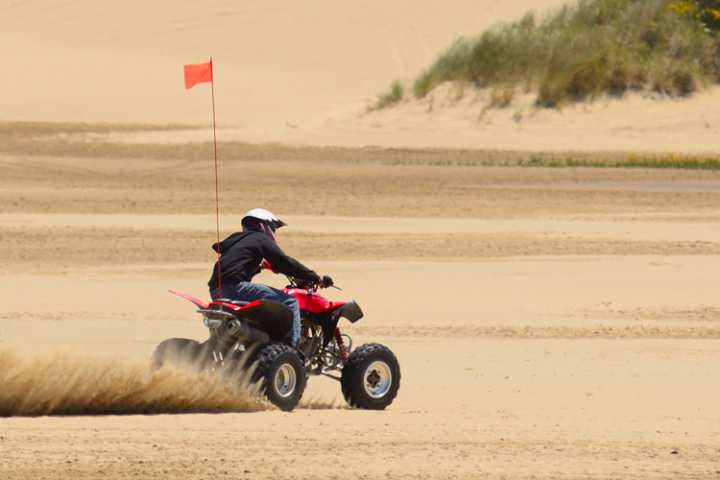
(550, 323)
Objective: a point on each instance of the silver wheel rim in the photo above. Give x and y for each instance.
(377, 379)
(285, 380)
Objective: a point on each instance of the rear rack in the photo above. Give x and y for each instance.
(215, 313)
(213, 318)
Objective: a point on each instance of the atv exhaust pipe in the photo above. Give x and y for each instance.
(228, 327)
(244, 333)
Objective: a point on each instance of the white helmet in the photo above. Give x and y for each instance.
(263, 216)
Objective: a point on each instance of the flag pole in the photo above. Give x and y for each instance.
(217, 190)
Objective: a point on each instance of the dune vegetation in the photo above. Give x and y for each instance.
(588, 49)
(392, 96)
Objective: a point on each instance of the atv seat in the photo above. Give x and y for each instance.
(239, 303)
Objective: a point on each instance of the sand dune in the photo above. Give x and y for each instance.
(639, 122)
(278, 62)
(304, 74)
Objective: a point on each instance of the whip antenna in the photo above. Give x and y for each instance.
(201, 73)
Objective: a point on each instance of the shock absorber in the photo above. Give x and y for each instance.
(344, 354)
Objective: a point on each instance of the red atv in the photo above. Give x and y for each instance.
(257, 333)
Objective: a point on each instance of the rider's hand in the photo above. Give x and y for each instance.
(326, 281)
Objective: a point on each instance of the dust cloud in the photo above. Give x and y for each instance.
(68, 383)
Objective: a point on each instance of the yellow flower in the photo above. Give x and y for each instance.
(683, 7)
(714, 13)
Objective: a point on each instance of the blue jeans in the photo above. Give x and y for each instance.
(247, 292)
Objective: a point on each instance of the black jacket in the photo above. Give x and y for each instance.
(241, 255)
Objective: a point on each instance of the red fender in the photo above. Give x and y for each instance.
(190, 298)
(312, 302)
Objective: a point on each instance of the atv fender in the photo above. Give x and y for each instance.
(351, 310)
(270, 317)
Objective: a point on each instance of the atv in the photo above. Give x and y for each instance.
(254, 337)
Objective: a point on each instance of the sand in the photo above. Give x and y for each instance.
(550, 323)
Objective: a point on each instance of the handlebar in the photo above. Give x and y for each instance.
(308, 285)
(325, 281)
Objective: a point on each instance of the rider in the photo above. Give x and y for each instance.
(241, 257)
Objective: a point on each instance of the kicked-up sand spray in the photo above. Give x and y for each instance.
(75, 384)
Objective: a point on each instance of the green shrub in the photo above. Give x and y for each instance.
(591, 48)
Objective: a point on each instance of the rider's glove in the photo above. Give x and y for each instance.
(326, 281)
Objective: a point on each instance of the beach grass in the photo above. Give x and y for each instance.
(583, 51)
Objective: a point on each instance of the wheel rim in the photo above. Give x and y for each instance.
(377, 379)
(285, 380)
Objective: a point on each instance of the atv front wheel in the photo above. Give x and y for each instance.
(282, 374)
(371, 377)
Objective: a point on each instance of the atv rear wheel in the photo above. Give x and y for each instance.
(282, 374)
(371, 377)
(179, 352)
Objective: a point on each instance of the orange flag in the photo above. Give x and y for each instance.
(198, 73)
